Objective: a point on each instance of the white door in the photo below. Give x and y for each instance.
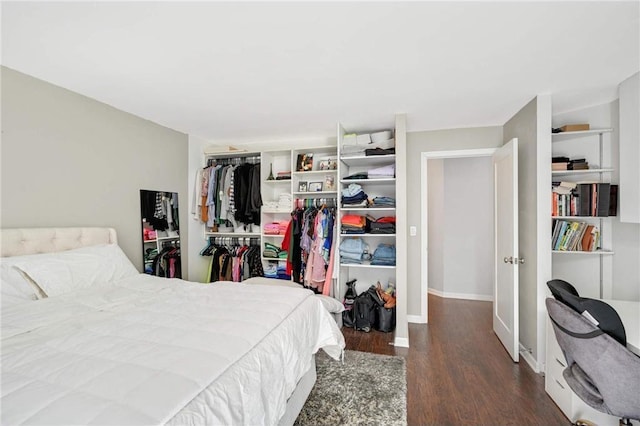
(505, 291)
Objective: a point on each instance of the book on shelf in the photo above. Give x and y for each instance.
(613, 200)
(556, 167)
(603, 195)
(574, 236)
(584, 199)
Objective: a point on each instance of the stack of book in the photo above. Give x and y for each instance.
(284, 175)
(575, 236)
(584, 199)
(565, 163)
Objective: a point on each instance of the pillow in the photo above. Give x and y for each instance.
(330, 304)
(15, 286)
(71, 270)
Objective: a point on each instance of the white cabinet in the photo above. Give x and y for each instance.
(558, 389)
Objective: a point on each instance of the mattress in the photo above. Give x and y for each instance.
(145, 350)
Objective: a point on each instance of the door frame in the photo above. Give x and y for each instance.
(424, 219)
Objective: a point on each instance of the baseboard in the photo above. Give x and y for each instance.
(527, 356)
(416, 319)
(401, 341)
(465, 296)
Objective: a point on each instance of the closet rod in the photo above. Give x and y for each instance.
(302, 203)
(234, 241)
(253, 159)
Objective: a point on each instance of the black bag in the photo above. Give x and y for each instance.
(348, 319)
(385, 319)
(364, 308)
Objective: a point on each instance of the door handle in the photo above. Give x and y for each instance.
(519, 260)
(508, 259)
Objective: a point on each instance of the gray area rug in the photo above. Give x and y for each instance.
(368, 389)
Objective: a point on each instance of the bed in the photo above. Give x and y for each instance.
(104, 344)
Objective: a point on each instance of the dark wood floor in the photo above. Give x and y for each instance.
(458, 373)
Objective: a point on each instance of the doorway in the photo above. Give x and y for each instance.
(457, 225)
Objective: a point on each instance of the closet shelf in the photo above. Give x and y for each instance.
(314, 172)
(367, 235)
(273, 181)
(366, 266)
(368, 209)
(307, 193)
(581, 217)
(596, 253)
(370, 160)
(232, 234)
(555, 137)
(273, 235)
(369, 181)
(580, 172)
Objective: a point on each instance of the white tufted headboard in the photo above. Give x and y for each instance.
(21, 241)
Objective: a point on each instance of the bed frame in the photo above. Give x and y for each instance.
(24, 241)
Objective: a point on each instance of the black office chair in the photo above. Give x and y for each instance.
(600, 369)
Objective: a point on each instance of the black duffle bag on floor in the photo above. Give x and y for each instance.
(365, 309)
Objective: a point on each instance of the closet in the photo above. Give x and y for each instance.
(160, 233)
(367, 226)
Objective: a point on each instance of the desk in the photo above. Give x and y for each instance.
(630, 315)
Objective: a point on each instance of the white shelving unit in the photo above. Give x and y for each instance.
(565, 262)
(600, 173)
(365, 273)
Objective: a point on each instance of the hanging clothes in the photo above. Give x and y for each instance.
(309, 243)
(167, 263)
(233, 262)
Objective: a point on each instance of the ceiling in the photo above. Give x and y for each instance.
(249, 71)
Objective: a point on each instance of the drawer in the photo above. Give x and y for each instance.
(559, 391)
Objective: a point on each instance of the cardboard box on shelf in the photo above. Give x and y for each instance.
(574, 127)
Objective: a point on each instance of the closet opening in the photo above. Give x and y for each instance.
(457, 225)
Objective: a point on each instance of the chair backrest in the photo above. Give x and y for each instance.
(558, 287)
(612, 368)
(607, 318)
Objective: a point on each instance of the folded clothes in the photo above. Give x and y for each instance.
(353, 220)
(351, 190)
(383, 230)
(386, 219)
(384, 252)
(361, 175)
(353, 245)
(355, 199)
(379, 151)
(363, 203)
(353, 231)
(384, 202)
(382, 172)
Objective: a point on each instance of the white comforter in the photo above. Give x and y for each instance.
(150, 351)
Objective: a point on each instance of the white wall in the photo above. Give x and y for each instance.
(436, 224)
(468, 199)
(532, 127)
(438, 140)
(198, 265)
(68, 160)
(460, 226)
(622, 270)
